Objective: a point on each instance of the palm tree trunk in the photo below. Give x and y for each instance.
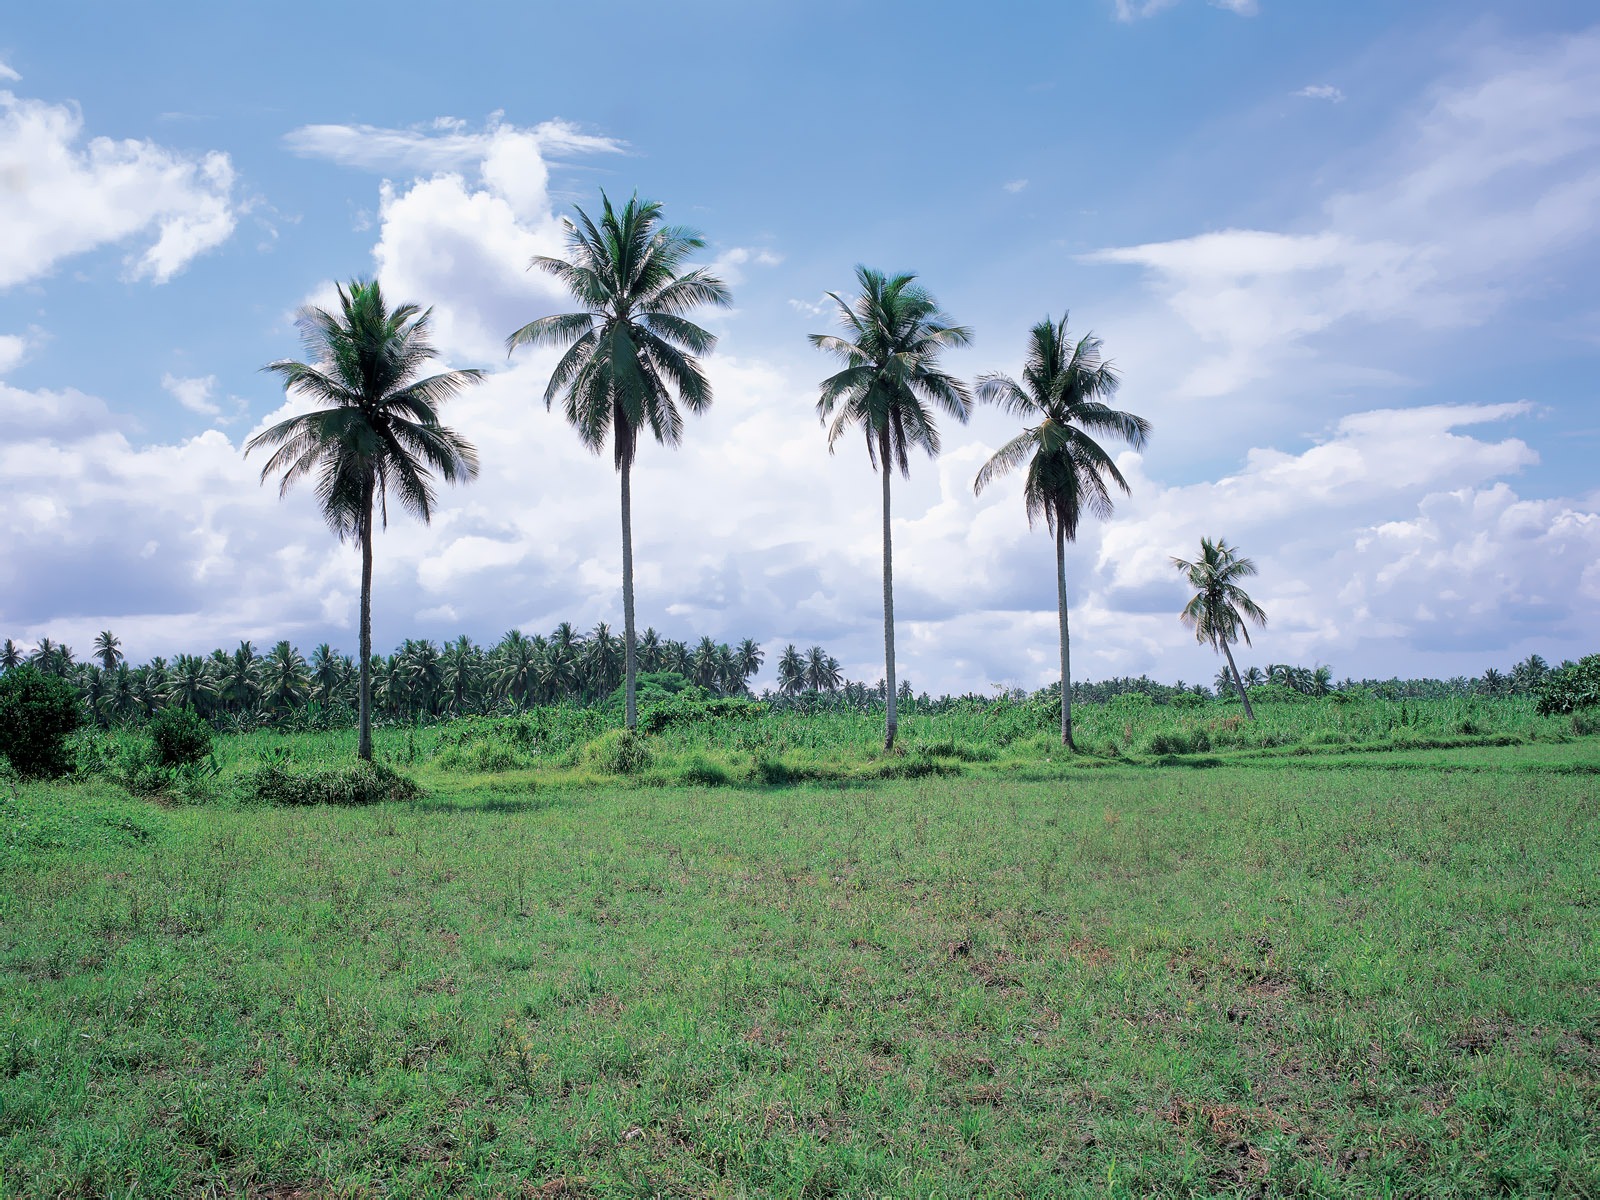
(1238, 683)
(1066, 642)
(364, 697)
(891, 720)
(632, 708)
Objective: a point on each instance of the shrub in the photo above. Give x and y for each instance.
(37, 714)
(181, 737)
(1571, 686)
(651, 688)
(359, 783)
(619, 752)
(687, 709)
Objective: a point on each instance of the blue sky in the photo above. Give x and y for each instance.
(1343, 255)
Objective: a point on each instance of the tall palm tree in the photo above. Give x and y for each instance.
(890, 384)
(1220, 611)
(284, 677)
(10, 655)
(108, 649)
(630, 354)
(325, 674)
(375, 428)
(191, 684)
(1063, 401)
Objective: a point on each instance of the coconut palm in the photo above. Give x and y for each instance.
(375, 428)
(1254, 677)
(1062, 400)
(750, 658)
(191, 684)
(890, 384)
(1220, 611)
(325, 674)
(462, 664)
(822, 671)
(791, 671)
(10, 656)
(630, 354)
(518, 673)
(108, 649)
(285, 681)
(240, 680)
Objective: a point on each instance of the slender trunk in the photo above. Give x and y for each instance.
(1238, 683)
(1066, 642)
(364, 698)
(628, 653)
(891, 719)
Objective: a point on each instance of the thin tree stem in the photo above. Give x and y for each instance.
(891, 718)
(1066, 641)
(364, 698)
(628, 654)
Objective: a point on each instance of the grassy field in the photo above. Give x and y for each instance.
(1339, 973)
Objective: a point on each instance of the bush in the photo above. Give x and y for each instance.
(37, 714)
(619, 752)
(359, 783)
(181, 737)
(1570, 686)
(687, 709)
(651, 688)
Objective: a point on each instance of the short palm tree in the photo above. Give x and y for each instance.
(888, 389)
(630, 353)
(1220, 611)
(375, 429)
(1062, 398)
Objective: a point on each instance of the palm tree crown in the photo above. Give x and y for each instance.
(891, 374)
(1063, 394)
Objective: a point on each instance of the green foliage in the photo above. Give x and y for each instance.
(652, 688)
(37, 714)
(688, 709)
(618, 752)
(1570, 687)
(181, 736)
(43, 821)
(356, 784)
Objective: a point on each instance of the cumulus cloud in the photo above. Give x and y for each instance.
(60, 196)
(193, 394)
(13, 349)
(1497, 177)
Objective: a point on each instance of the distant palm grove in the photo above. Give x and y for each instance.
(628, 370)
(422, 681)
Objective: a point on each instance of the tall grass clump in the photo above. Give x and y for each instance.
(357, 783)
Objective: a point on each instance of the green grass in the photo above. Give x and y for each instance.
(1338, 973)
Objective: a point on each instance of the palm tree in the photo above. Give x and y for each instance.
(1062, 399)
(240, 680)
(629, 350)
(284, 677)
(648, 652)
(1220, 610)
(191, 684)
(10, 656)
(462, 661)
(891, 376)
(325, 674)
(750, 658)
(108, 649)
(791, 671)
(1252, 678)
(376, 427)
(518, 673)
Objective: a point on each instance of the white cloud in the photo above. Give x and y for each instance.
(729, 265)
(60, 198)
(1135, 10)
(193, 394)
(1321, 91)
(7, 75)
(445, 144)
(1016, 185)
(1499, 175)
(13, 349)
